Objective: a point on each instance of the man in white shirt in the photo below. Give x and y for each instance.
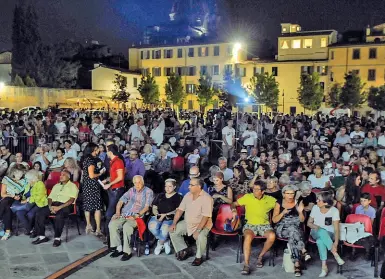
(97, 127)
(41, 155)
(348, 152)
(137, 130)
(381, 146)
(357, 132)
(342, 138)
(60, 125)
(158, 131)
(69, 151)
(228, 137)
(250, 137)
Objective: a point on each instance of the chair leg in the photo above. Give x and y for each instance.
(208, 245)
(376, 255)
(137, 244)
(17, 226)
(77, 224)
(239, 248)
(66, 224)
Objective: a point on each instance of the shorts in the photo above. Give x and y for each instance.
(258, 230)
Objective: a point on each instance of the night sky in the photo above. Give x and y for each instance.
(118, 23)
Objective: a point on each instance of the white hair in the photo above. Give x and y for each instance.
(32, 176)
(222, 159)
(138, 176)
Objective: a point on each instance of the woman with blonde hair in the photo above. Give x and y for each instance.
(71, 165)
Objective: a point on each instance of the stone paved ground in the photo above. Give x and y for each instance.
(20, 259)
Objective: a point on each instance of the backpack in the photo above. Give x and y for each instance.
(177, 163)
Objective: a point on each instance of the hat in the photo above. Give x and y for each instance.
(244, 150)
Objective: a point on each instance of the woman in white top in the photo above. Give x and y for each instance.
(318, 179)
(58, 162)
(324, 222)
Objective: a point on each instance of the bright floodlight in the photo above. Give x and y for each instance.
(237, 46)
(2, 85)
(246, 99)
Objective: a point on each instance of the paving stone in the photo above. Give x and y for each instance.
(25, 259)
(47, 248)
(4, 272)
(89, 273)
(161, 265)
(204, 271)
(175, 276)
(3, 254)
(17, 247)
(128, 271)
(22, 271)
(56, 258)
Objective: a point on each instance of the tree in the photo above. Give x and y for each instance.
(310, 93)
(175, 93)
(265, 90)
(18, 81)
(376, 98)
(333, 98)
(206, 92)
(149, 90)
(30, 82)
(352, 95)
(120, 90)
(18, 48)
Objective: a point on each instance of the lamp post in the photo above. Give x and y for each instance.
(283, 101)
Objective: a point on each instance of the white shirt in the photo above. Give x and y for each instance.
(61, 127)
(193, 158)
(354, 133)
(157, 135)
(229, 134)
(39, 158)
(381, 140)
(135, 133)
(325, 221)
(227, 174)
(97, 128)
(71, 154)
(74, 130)
(318, 182)
(251, 140)
(346, 156)
(76, 147)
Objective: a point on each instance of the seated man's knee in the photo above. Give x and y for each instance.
(270, 235)
(248, 235)
(128, 229)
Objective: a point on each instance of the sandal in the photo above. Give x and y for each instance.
(260, 262)
(297, 271)
(245, 270)
(89, 230)
(98, 234)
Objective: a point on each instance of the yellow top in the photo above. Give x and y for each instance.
(257, 211)
(62, 193)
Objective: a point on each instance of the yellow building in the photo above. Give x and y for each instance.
(188, 61)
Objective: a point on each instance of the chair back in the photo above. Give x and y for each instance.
(382, 213)
(381, 232)
(354, 218)
(177, 163)
(224, 213)
(53, 179)
(316, 190)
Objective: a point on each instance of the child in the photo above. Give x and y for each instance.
(193, 158)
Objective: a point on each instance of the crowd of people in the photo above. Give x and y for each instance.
(297, 178)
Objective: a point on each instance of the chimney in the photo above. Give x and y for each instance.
(368, 30)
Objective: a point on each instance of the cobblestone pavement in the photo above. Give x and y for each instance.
(20, 259)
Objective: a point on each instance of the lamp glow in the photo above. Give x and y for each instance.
(2, 85)
(246, 99)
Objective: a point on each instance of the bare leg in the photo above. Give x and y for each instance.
(248, 237)
(270, 238)
(98, 219)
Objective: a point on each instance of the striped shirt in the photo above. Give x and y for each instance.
(134, 201)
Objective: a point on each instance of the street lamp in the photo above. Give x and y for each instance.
(246, 99)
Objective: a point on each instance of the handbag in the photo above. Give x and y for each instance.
(232, 225)
(287, 262)
(17, 206)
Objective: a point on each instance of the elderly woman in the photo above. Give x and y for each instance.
(71, 165)
(163, 209)
(288, 215)
(221, 193)
(324, 222)
(307, 197)
(239, 183)
(148, 157)
(273, 189)
(35, 197)
(11, 190)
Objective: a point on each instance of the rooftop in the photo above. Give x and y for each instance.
(308, 33)
(118, 69)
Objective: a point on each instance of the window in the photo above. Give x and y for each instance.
(191, 52)
(141, 55)
(296, 44)
(190, 105)
(191, 88)
(259, 70)
(372, 53)
(356, 53)
(324, 42)
(167, 53)
(307, 69)
(156, 54)
(215, 69)
(293, 110)
(274, 71)
(145, 71)
(203, 70)
(285, 44)
(331, 76)
(168, 71)
(228, 68)
(180, 53)
(179, 71)
(216, 50)
(322, 85)
(135, 81)
(203, 51)
(191, 71)
(371, 74)
(356, 72)
(229, 50)
(242, 72)
(322, 70)
(156, 72)
(332, 55)
(308, 43)
(145, 54)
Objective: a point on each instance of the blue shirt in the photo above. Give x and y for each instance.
(371, 212)
(183, 189)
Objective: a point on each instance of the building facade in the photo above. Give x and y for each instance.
(5, 67)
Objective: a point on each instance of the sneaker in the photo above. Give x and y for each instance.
(147, 250)
(339, 260)
(167, 247)
(323, 273)
(158, 249)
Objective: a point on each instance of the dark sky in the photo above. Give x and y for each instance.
(120, 22)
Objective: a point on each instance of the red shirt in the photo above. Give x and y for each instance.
(115, 165)
(374, 191)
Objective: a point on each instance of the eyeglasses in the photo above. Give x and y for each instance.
(289, 193)
(193, 184)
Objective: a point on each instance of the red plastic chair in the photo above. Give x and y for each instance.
(363, 219)
(72, 214)
(224, 213)
(381, 232)
(316, 190)
(52, 180)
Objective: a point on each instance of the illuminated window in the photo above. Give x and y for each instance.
(296, 44)
(324, 42)
(285, 45)
(156, 72)
(308, 43)
(191, 88)
(284, 29)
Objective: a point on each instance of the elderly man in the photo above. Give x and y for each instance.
(61, 202)
(184, 188)
(227, 173)
(134, 166)
(137, 130)
(197, 207)
(135, 202)
(257, 205)
(42, 155)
